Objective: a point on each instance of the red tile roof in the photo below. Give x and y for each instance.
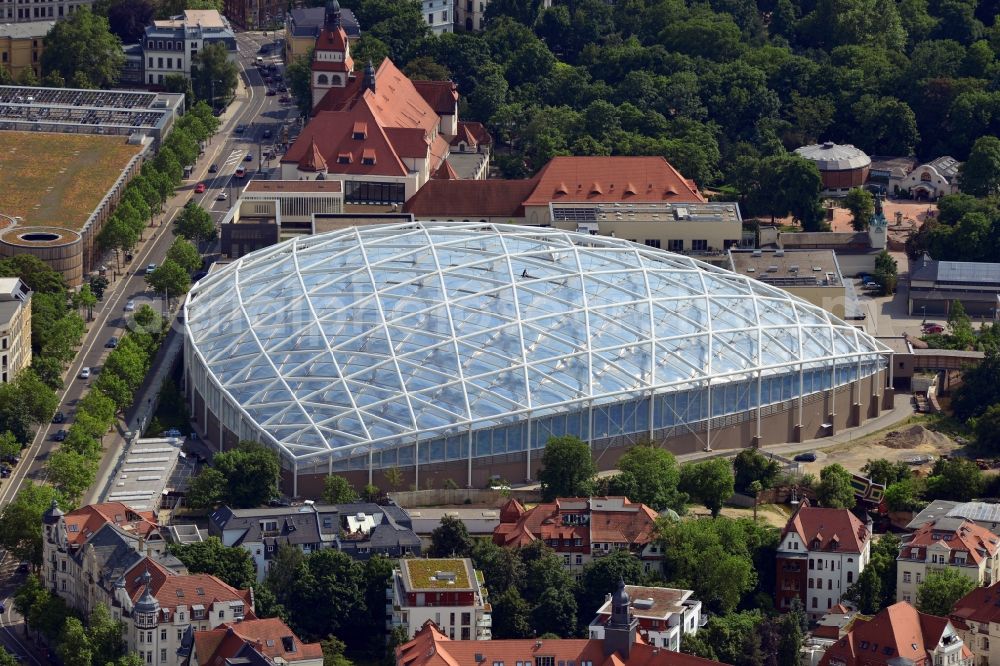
(445, 172)
(473, 133)
(974, 542)
(899, 631)
(215, 646)
(828, 527)
(611, 520)
(981, 605)
(83, 522)
(313, 159)
(333, 40)
(469, 199)
(612, 179)
(173, 590)
(442, 96)
(430, 647)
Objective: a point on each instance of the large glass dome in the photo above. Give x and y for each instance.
(359, 344)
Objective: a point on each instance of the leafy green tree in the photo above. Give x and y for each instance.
(511, 615)
(601, 576)
(251, 471)
(726, 637)
(71, 473)
(955, 479)
(792, 630)
(986, 427)
(861, 204)
(106, 636)
(212, 73)
(960, 326)
(333, 652)
(941, 589)
(567, 468)
(981, 172)
(6, 658)
(905, 495)
(207, 490)
(649, 475)
(885, 272)
(169, 278)
(195, 224)
(299, 77)
(979, 387)
(885, 472)
(502, 567)
(751, 465)
(835, 490)
(325, 592)
(24, 403)
(234, 566)
(555, 612)
(451, 539)
(82, 45)
(21, 521)
(74, 644)
(337, 490)
(711, 482)
(185, 254)
(9, 446)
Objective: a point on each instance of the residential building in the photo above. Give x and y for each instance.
(976, 616)
(479, 521)
(170, 46)
(664, 615)
(621, 646)
(108, 554)
(582, 528)
(21, 45)
(935, 285)
(829, 629)
(447, 592)
(360, 530)
(439, 14)
(899, 634)
(821, 553)
(984, 514)
(16, 11)
(470, 14)
(15, 327)
(812, 275)
(955, 543)
(304, 25)
(933, 180)
(268, 641)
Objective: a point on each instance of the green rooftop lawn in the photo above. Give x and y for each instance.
(421, 572)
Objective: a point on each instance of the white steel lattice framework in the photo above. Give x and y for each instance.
(401, 344)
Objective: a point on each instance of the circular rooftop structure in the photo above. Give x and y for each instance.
(427, 344)
(830, 156)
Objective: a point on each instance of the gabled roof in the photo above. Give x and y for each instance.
(834, 529)
(86, 520)
(445, 172)
(955, 535)
(430, 647)
(896, 632)
(470, 199)
(313, 159)
(473, 133)
(172, 590)
(609, 519)
(981, 605)
(271, 637)
(607, 179)
(442, 96)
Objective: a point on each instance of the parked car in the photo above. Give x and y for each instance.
(283, 88)
(213, 169)
(60, 435)
(112, 342)
(285, 99)
(59, 417)
(240, 129)
(23, 567)
(934, 329)
(928, 324)
(150, 268)
(84, 373)
(130, 306)
(172, 432)
(5, 472)
(805, 457)
(199, 188)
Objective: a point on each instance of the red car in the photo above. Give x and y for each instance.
(933, 328)
(199, 188)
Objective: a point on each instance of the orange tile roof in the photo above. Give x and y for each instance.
(85, 521)
(828, 526)
(430, 647)
(899, 631)
(469, 199)
(440, 95)
(976, 542)
(611, 519)
(445, 172)
(612, 179)
(981, 605)
(173, 590)
(266, 635)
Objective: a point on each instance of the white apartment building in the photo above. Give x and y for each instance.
(439, 14)
(664, 615)
(171, 46)
(448, 592)
(15, 327)
(946, 542)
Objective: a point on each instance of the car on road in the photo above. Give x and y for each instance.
(285, 99)
(84, 373)
(150, 268)
(172, 432)
(213, 169)
(222, 196)
(3, 608)
(60, 435)
(23, 567)
(859, 316)
(130, 306)
(934, 329)
(58, 417)
(271, 92)
(805, 457)
(248, 158)
(240, 172)
(267, 134)
(240, 129)
(199, 188)
(112, 342)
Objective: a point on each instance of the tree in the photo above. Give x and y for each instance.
(337, 490)
(333, 652)
(511, 615)
(9, 446)
(835, 489)
(650, 475)
(251, 471)
(206, 490)
(981, 172)
(82, 45)
(941, 589)
(711, 482)
(886, 272)
(185, 254)
(728, 638)
(979, 387)
(601, 576)
(213, 75)
(71, 473)
(169, 278)
(74, 644)
(555, 612)
(960, 326)
(861, 203)
(234, 566)
(451, 539)
(195, 224)
(885, 472)
(751, 465)
(502, 568)
(21, 521)
(567, 468)
(986, 427)
(128, 19)
(106, 636)
(325, 592)
(905, 495)
(25, 402)
(955, 479)
(299, 77)
(756, 488)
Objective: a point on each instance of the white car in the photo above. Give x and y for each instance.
(222, 196)
(130, 306)
(85, 373)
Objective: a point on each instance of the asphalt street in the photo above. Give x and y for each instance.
(263, 115)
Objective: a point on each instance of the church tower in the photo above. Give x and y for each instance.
(620, 631)
(878, 225)
(332, 64)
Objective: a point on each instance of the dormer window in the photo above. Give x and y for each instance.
(360, 131)
(368, 157)
(344, 158)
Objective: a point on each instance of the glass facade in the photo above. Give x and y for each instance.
(429, 342)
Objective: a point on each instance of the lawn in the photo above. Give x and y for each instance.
(57, 180)
(421, 572)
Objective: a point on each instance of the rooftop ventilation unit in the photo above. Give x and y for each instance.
(445, 575)
(751, 270)
(772, 269)
(793, 269)
(642, 604)
(756, 253)
(779, 253)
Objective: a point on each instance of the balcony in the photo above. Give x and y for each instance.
(486, 621)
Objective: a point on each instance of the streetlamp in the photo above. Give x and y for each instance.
(212, 83)
(923, 309)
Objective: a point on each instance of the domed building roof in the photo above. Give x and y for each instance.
(830, 156)
(52, 514)
(379, 335)
(147, 603)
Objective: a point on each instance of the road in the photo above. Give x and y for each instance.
(227, 150)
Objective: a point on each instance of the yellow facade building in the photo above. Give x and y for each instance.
(21, 46)
(15, 327)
